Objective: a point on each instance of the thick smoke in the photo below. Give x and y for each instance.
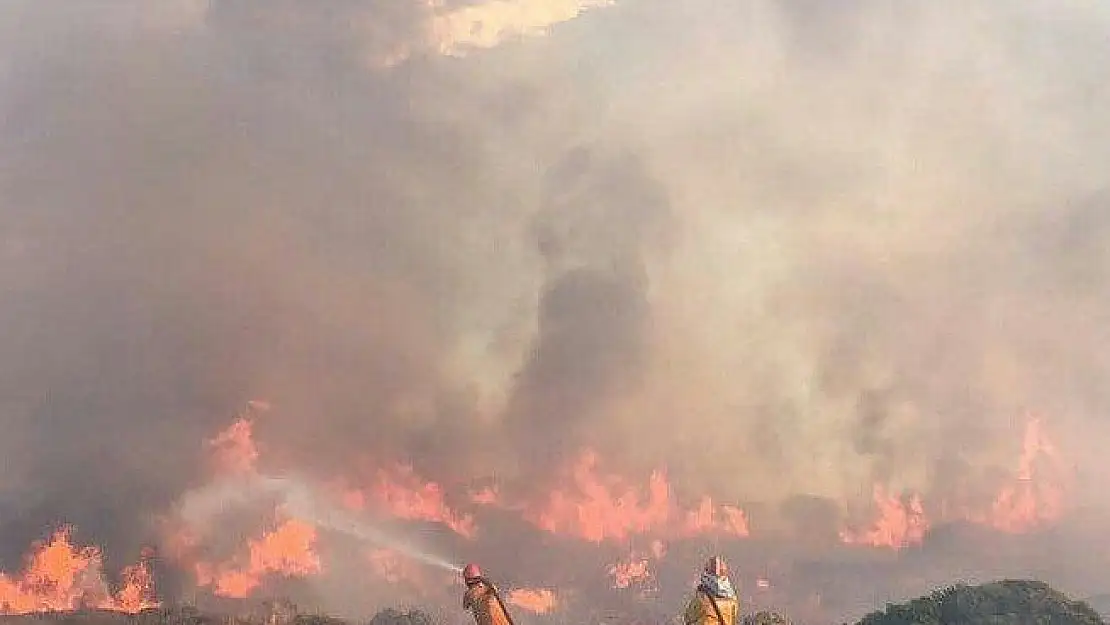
(595, 222)
(785, 249)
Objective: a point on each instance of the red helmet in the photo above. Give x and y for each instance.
(471, 572)
(716, 566)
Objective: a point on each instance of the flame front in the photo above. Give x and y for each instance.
(60, 576)
(590, 505)
(1030, 502)
(604, 507)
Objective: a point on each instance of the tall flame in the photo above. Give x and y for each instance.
(1030, 501)
(137, 590)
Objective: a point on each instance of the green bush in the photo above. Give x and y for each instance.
(1010, 602)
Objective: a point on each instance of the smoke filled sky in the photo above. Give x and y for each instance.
(786, 249)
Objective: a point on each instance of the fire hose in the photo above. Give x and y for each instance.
(504, 608)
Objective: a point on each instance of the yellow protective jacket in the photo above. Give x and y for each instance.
(700, 610)
(481, 600)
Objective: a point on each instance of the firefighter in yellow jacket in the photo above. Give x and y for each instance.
(482, 600)
(715, 601)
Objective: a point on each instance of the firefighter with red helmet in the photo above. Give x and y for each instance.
(482, 600)
(715, 601)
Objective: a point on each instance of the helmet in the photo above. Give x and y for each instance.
(716, 566)
(471, 572)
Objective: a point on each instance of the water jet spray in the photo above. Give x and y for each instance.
(297, 497)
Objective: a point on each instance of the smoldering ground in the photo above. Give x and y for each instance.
(782, 249)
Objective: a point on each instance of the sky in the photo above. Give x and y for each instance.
(784, 251)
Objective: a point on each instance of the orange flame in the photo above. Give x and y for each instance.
(604, 507)
(405, 495)
(535, 600)
(288, 550)
(899, 524)
(58, 576)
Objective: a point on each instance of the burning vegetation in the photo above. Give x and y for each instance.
(592, 508)
(60, 576)
(1028, 501)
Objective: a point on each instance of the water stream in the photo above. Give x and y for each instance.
(205, 504)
